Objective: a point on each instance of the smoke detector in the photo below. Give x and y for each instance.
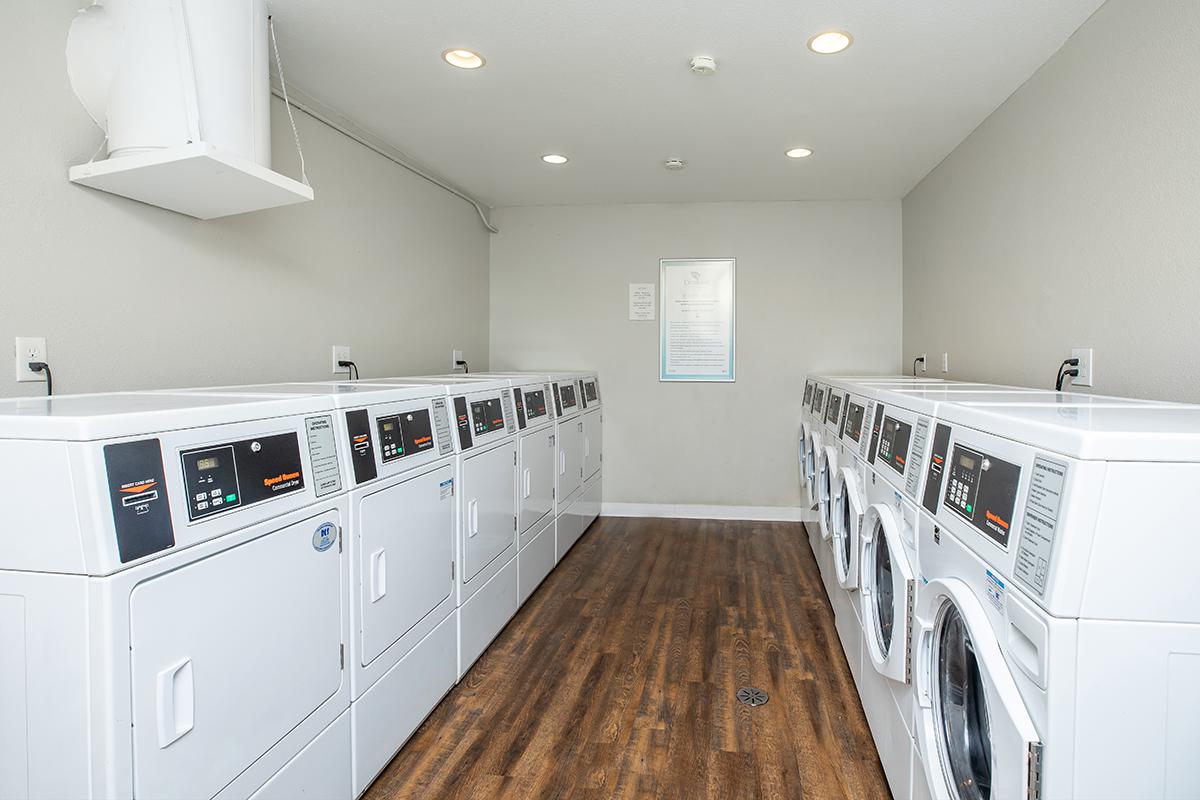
(704, 65)
(675, 164)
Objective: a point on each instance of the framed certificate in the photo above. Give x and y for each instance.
(697, 320)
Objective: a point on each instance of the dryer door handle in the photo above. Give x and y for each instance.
(562, 462)
(473, 518)
(378, 575)
(526, 482)
(176, 703)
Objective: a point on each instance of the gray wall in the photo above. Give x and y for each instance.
(1071, 217)
(131, 296)
(816, 290)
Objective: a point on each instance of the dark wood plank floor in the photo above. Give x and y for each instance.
(617, 679)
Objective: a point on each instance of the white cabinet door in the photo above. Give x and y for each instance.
(489, 507)
(229, 654)
(568, 447)
(405, 551)
(535, 476)
(592, 443)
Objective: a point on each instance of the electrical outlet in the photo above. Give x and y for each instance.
(924, 364)
(30, 348)
(945, 362)
(455, 357)
(1087, 367)
(341, 352)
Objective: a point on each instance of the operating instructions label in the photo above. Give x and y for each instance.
(916, 457)
(322, 452)
(1041, 522)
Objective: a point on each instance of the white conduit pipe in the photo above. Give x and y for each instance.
(312, 108)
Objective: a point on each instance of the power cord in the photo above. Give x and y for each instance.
(463, 364)
(1063, 373)
(917, 360)
(39, 367)
(352, 367)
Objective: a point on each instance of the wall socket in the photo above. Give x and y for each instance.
(924, 364)
(29, 348)
(341, 352)
(1087, 367)
(945, 362)
(455, 357)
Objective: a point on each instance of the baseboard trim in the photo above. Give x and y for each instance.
(675, 511)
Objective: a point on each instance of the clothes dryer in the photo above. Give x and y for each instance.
(173, 598)
(485, 432)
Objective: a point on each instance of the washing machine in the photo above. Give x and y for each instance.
(1056, 603)
(485, 483)
(890, 555)
(174, 592)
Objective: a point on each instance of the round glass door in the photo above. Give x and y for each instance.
(885, 592)
(844, 517)
(961, 712)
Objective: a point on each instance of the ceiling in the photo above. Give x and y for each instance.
(607, 83)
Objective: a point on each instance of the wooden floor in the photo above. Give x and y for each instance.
(617, 679)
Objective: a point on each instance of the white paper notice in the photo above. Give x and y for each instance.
(641, 301)
(697, 327)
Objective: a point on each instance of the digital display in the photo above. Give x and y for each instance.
(966, 462)
(535, 404)
(854, 420)
(893, 443)
(205, 464)
(568, 395)
(387, 426)
(487, 415)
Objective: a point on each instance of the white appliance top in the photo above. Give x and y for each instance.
(88, 417)
(461, 385)
(342, 394)
(1134, 432)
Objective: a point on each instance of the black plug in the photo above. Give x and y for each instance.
(1073, 373)
(917, 360)
(39, 367)
(462, 364)
(351, 367)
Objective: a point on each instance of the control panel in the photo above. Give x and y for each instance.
(834, 408)
(983, 490)
(487, 415)
(222, 477)
(569, 399)
(589, 392)
(894, 438)
(531, 405)
(807, 393)
(819, 401)
(482, 416)
(403, 435)
(854, 420)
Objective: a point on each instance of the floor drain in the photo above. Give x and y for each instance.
(752, 696)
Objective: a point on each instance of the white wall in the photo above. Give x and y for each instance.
(817, 289)
(1071, 217)
(131, 296)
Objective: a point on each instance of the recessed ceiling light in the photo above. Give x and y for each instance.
(463, 59)
(799, 152)
(830, 42)
(555, 158)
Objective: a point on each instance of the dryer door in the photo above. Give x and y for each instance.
(535, 481)
(978, 739)
(826, 475)
(230, 653)
(888, 592)
(568, 449)
(593, 439)
(405, 550)
(847, 522)
(489, 507)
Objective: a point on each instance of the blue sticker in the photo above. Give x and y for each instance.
(325, 537)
